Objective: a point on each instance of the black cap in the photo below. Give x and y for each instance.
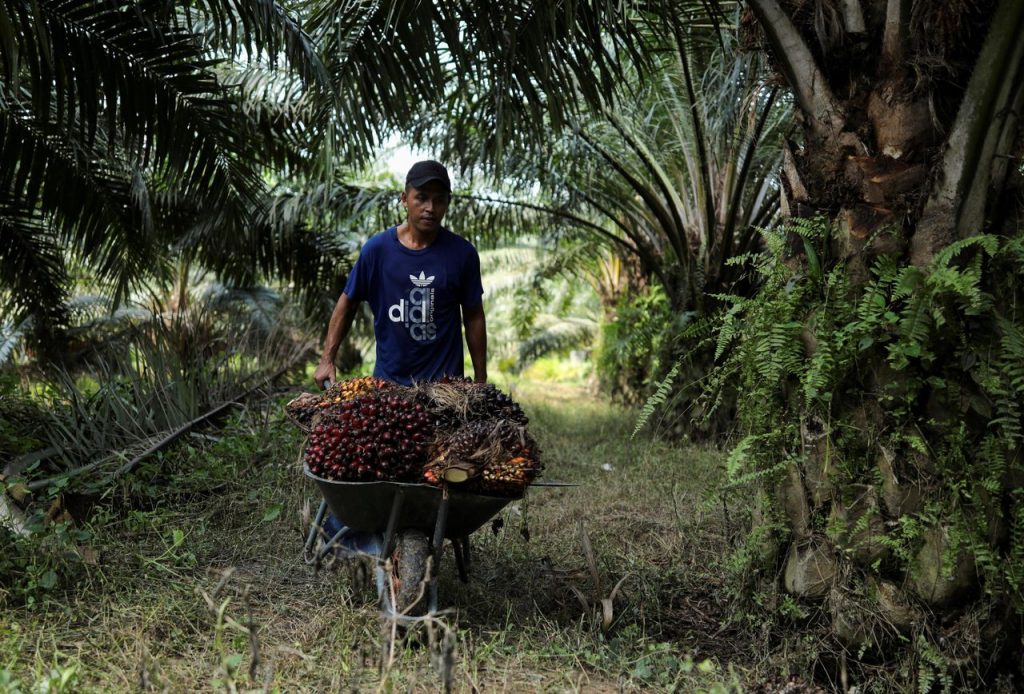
(423, 172)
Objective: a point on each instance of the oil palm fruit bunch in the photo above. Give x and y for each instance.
(305, 410)
(444, 411)
(453, 402)
(377, 436)
(496, 455)
(486, 401)
(517, 466)
(459, 455)
(510, 477)
(353, 388)
(302, 411)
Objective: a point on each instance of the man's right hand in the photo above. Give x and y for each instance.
(337, 329)
(325, 372)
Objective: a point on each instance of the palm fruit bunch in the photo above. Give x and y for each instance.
(455, 431)
(453, 402)
(497, 456)
(303, 410)
(353, 388)
(487, 402)
(376, 436)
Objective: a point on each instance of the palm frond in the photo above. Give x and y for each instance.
(263, 30)
(676, 191)
(557, 335)
(260, 305)
(31, 266)
(89, 201)
(490, 68)
(12, 336)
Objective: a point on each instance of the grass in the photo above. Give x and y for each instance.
(203, 546)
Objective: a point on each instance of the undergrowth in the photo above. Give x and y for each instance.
(899, 392)
(191, 577)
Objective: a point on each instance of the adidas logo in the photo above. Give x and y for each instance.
(422, 280)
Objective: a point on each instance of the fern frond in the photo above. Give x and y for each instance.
(657, 398)
(819, 373)
(729, 329)
(739, 455)
(780, 352)
(1009, 389)
(916, 323)
(987, 242)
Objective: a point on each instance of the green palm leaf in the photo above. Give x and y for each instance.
(31, 266)
(505, 64)
(557, 335)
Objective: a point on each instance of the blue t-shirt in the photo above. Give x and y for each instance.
(415, 298)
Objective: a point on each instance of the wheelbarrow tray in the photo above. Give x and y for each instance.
(366, 505)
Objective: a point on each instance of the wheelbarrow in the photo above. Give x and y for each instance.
(415, 520)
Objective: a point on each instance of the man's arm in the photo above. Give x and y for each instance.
(337, 329)
(476, 340)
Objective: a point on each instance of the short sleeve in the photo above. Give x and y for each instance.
(472, 291)
(357, 286)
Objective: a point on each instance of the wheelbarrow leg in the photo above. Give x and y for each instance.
(387, 547)
(329, 546)
(461, 551)
(314, 530)
(389, 532)
(437, 546)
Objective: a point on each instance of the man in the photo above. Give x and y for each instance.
(416, 277)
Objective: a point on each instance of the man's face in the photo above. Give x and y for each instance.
(426, 206)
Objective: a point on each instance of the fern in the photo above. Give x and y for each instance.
(656, 399)
(1015, 559)
(987, 242)
(738, 455)
(728, 330)
(1009, 389)
(758, 473)
(906, 283)
(819, 373)
(954, 330)
(915, 323)
(780, 352)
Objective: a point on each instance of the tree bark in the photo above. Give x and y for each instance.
(956, 205)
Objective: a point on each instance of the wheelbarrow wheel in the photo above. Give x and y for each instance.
(408, 574)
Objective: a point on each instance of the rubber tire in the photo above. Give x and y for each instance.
(408, 572)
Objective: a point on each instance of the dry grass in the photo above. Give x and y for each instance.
(199, 567)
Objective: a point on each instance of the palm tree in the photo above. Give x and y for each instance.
(673, 180)
(924, 95)
(142, 128)
(684, 172)
(676, 175)
(125, 137)
(909, 151)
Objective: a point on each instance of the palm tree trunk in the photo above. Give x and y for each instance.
(907, 146)
(181, 296)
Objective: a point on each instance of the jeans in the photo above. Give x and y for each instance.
(351, 540)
